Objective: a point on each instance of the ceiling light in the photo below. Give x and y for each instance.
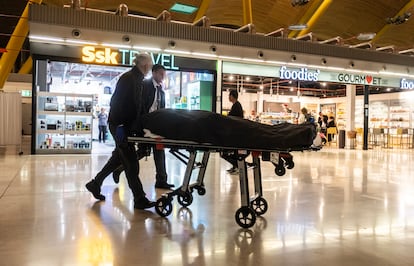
(176, 51)
(146, 48)
(298, 27)
(181, 8)
(366, 36)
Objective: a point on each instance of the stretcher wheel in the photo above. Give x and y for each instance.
(259, 205)
(163, 206)
(185, 199)
(201, 191)
(245, 217)
(280, 170)
(290, 164)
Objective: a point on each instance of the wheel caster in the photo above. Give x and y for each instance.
(201, 191)
(185, 199)
(259, 206)
(280, 170)
(245, 217)
(290, 164)
(163, 206)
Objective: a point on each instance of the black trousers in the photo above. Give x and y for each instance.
(124, 154)
(230, 156)
(159, 160)
(102, 133)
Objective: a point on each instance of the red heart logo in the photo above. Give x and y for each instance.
(369, 79)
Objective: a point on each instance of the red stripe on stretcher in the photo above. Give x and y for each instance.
(158, 144)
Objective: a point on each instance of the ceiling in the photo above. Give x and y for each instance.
(325, 19)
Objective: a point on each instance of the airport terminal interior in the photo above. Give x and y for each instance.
(349, 202)
(335, 207)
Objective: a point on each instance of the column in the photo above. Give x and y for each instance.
(350, 113)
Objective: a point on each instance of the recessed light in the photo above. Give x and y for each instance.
(182, 8)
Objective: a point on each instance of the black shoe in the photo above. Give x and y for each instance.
(231, 170)
(163, 185)
(95, 190)
(115, 176)
(250, 165)
(144, 203)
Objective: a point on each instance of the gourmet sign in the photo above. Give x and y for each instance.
(358, 79)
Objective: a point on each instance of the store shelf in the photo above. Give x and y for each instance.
(78, 114)
(276, 118)
(50, 113)
(64, 123)
(45, 131)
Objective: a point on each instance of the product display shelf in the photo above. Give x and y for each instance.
(277, 118)
(64, 123)
(340, 116)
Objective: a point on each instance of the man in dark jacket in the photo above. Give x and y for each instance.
(154, 99)
(124, 120)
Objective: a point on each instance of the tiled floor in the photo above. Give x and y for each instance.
(336, 207)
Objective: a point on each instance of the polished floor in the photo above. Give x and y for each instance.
(335, 207)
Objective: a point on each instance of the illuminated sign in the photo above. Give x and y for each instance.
(407, 84)
(359, 79)
(302, 74)
(91, 54)
(26, 93)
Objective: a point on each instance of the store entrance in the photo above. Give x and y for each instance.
(65, 81)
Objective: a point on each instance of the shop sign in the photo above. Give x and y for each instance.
(167, 60)
(302, 74)
(407, 84)
(358, 79)
(91, 54)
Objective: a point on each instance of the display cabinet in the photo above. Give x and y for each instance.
(340, 115)
(271, 118)
(63, 123)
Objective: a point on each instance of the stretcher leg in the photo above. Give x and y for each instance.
(245, 215)
(199, 184)
(258, 203)
(164, 204)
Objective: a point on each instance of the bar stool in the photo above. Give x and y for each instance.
(377, 137)
(352, 138)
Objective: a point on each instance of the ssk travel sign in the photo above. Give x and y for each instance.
(109, 56)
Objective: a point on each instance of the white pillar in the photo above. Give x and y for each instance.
(219, 87)
(350, 112)
(259, 106)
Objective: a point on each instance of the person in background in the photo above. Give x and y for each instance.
(124, 120)
(102, 125)
(236, 108)
(237, 111)
(320, 119)
(303, 116)
(331, 123)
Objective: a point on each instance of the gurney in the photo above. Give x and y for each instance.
(251, 207)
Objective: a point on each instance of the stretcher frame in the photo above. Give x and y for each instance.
(251, 207)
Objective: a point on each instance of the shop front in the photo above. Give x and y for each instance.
(73, 83)
(276, 93)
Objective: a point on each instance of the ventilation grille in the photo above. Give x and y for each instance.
(137, 25)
